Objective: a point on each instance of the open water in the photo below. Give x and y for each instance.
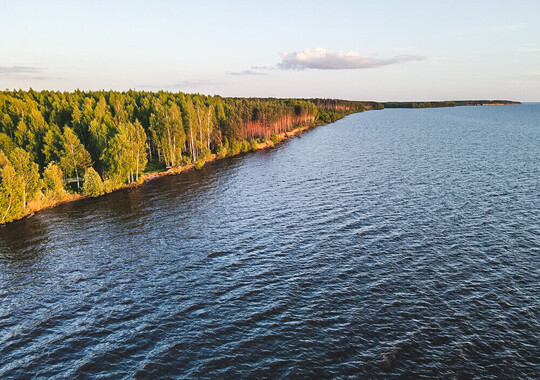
(390, 244)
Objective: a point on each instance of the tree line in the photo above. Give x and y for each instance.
(55, 144)
(447, 103)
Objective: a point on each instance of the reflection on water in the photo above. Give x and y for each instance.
(391, 243)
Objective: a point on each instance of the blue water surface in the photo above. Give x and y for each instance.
(391, 244)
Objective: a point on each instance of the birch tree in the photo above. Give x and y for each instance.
(75, 159)
(168, 133)
(27, 173)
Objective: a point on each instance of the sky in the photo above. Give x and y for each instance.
(358, 50)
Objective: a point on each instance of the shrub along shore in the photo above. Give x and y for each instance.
(58, 147)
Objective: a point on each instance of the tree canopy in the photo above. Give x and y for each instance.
(51, 141)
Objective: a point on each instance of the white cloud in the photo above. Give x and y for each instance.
(247, 72)
(322, 59)
(21, 72)
(18, 69)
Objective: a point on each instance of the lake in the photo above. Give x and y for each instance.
(391, 244)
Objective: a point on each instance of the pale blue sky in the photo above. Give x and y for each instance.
(402, 50)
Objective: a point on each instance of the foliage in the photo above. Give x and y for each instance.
(50, 139)
(53, 179)
(252, 144)
(125, 157)
(167, 133)
(244, 146)
(222, 151)
(6, 144)
(93, 185)
(11, 193)
(26, 174)
(74, 158)
(235, 147)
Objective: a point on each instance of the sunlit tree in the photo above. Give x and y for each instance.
(75, 159)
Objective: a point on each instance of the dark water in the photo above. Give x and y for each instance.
(391, 244)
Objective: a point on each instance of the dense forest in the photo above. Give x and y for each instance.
(56, 145)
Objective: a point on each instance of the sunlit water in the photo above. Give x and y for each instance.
(395, 243)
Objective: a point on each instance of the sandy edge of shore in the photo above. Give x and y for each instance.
(151, 176)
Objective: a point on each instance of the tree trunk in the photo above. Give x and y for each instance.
(138, 155)
(77, 175)
(192, 147)
(208, 127)
(199, 117)
(8, 208)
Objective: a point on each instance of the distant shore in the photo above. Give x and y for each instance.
(449, 103)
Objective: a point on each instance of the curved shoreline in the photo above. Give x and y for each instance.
(33, 210)
(37, 206)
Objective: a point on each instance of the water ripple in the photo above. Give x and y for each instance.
(391, 244)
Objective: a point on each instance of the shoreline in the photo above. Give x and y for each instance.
(154, 175)
(35, 207)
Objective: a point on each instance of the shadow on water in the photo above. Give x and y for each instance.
(27, 239)
(166, 191)
(23, 240)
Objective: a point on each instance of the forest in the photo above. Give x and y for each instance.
(55, 146)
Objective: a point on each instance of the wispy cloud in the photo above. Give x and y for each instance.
(18, 69)
(247, 72)
(22, 72)
(322, 59)
(267, 68)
